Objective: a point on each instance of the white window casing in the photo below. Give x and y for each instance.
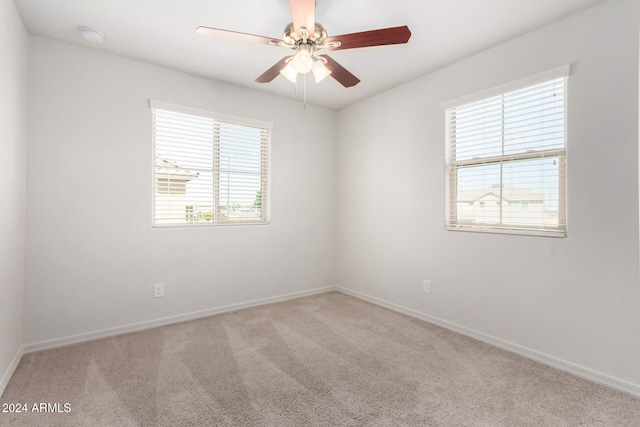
(208, 168)
(506, 159)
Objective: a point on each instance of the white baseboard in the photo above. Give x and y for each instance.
(135, 327)
(10, 370)
(562, 365)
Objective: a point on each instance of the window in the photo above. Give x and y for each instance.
(509, 149)
(208, 168)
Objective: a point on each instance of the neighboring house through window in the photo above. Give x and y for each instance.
(506, 158)
(208, 168)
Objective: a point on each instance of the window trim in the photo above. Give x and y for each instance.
(554, 73)
(451, 167)
(227, 118)
(160, 105)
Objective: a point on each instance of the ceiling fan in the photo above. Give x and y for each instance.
(305, 37)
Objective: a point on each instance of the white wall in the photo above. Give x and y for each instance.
(91, 253)
(13, 142)
(575, 299)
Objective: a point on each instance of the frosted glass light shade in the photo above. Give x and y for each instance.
(320, 71)
(302, 62)
(290, 72)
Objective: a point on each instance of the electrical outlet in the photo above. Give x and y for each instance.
(426, 286)
(158, 290)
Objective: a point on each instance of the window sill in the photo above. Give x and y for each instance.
(503, 230)
(209, 225)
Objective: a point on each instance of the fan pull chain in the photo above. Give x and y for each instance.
(304, 96)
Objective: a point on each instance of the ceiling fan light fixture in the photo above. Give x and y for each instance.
(290, 72)
(303, 61)
(305, 37)
(320, 72)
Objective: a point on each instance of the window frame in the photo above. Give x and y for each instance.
(452, 165)
(217, 167)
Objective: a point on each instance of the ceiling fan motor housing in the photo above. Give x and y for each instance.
(293, 39)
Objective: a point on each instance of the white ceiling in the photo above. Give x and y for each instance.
(162, 32)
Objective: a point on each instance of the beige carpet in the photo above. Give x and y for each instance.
(326, 360)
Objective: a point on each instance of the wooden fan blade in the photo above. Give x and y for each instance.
(394, 35)
(341, 74)
(303, 14)
(234, 35)
(273, 72)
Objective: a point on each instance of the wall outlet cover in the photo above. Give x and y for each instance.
(158, 290)
(426, 286)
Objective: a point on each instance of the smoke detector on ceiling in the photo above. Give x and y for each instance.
(91, 34)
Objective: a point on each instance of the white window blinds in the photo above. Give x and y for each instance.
(506, 162)
(208, 168)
